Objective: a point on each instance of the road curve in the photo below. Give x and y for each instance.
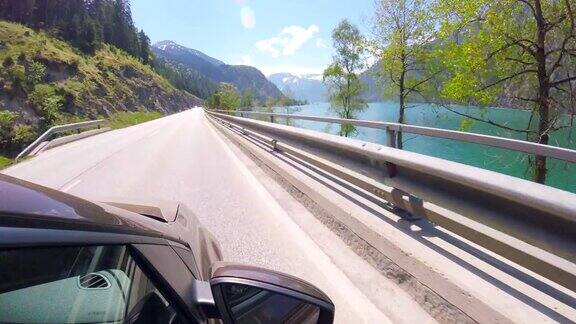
(181, 157)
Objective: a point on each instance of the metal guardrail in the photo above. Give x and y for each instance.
(59, 129)
(393, 128)
(477, 193)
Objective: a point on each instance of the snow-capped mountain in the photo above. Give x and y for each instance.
(176, 49)
(302, 87)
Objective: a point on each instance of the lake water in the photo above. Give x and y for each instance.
(561, 174)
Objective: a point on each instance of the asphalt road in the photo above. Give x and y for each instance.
(182, 157)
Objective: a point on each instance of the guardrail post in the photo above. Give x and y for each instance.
(390, 137)
(271, 119)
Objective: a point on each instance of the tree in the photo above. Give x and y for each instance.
(247, 98)
(528, 46)
(145, 51)
(226, 97)
(342, 75)
(124, 35)
(84, 23)
(404, 30)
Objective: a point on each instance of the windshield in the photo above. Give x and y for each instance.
(415, 160)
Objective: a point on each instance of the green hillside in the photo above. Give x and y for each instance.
(45, 81)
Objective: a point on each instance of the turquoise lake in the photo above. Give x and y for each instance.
(560, 174)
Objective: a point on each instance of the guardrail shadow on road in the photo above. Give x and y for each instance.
(429, 230)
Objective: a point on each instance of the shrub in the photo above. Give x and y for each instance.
(4, 161)
(7, 121)
(47, 102)
(23, 134)
(18, 76)
(8, 62)
(36, 73)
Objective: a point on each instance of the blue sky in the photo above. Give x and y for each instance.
(272, 35)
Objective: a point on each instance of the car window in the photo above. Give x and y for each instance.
(95, 284)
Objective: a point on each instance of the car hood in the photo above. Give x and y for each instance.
(158, 209)
(29, 203)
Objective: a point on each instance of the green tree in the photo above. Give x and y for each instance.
(528, 46)
(270, 103)
(145, 53)
(247, 99)
(89, 37)
(226, 97)
(404, 30)
(213, 101)
(342, 75)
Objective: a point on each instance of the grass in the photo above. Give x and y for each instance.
(93, 78)
(126, 118)
(5, 162)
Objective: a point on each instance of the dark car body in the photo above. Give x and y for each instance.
(68, 260)
(24, 204)
(170, 242)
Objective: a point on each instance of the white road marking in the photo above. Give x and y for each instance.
(70, 185)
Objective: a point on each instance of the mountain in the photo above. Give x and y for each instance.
(215, 71)
(307, 87)
(311, 88)
(184, 77)
(374, 85)
(45, 81)
(181, 51)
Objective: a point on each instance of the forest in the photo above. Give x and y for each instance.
(86, 24)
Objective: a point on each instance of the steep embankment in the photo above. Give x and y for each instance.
(44, 81)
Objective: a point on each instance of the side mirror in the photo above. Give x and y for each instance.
(246, 294)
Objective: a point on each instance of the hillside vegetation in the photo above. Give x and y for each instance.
(45, 81)
(201, 74)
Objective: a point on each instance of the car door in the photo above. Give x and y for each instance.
(119, 283)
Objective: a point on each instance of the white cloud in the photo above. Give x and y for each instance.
(247, 17)
(320, 43)
(290, 39)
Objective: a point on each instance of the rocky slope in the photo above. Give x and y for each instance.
(44, 81)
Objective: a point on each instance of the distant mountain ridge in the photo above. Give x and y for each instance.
(215, 71)
(307, 87)
(375, 86)
(174, 48)
(311, 88)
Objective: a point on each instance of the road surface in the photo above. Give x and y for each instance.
(182, 157)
